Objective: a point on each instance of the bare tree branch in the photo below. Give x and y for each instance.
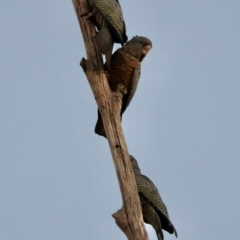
(129, 218)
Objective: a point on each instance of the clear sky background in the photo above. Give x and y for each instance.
(57, 179)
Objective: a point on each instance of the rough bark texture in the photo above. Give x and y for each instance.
(129, 218)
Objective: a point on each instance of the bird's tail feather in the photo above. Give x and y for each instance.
(99, 128)
(160, 236)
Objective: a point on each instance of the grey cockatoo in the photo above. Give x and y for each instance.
(153, 208)
(108, 18)
(125, 69)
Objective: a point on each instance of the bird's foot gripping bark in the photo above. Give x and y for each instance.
(84, 14)
(90, 14)
(105, 71)
(99, 128)
(121, 90)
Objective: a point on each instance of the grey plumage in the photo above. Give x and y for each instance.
(108, 18)
(153, 208)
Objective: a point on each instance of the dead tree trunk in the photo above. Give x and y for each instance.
(129, 218)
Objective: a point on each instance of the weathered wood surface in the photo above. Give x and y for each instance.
(129, 217)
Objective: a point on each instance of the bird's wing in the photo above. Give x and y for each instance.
(131, 89)
(148, 190)
(112, 12)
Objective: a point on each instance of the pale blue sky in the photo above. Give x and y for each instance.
(57, 180)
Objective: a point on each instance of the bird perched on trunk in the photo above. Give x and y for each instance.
(108, 18)
(153, 209)
(125, 69)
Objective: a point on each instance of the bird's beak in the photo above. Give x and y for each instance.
(146, 49)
